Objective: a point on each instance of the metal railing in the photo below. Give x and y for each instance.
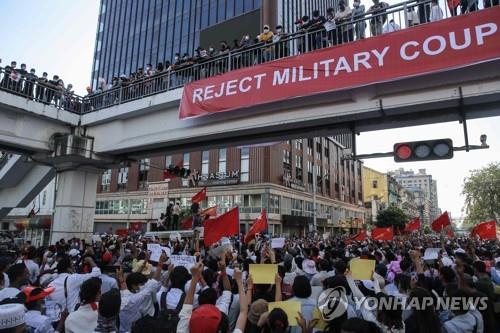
(359, 25)
(31, 87)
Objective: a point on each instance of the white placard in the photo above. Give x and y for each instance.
(278, 243)
(329, 25)
(326, 235)
(155, 250)
(431, 253)
(182, 260)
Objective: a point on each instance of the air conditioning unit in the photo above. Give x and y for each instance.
(72, 145)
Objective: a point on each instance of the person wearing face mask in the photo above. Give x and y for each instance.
(266, 37)
(391, 27)
(67, 285)
(331, 27)
(30, 83)
(358, 12)
(345, 30)
(316, 30)
(281, 49)
(378, 17)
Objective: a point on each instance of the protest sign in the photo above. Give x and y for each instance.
(155, 250)
(431, 253)
(362, 269)
(182, 260)
(263, 273)
(291, 308)
(277, 243)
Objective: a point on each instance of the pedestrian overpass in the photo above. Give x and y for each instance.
(143, 119)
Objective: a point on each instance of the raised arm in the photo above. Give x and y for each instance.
(244, 301)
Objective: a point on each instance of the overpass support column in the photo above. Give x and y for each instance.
(75, 205)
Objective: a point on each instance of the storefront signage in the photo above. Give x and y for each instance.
(157, 190)
(428, 48)
(213, 179)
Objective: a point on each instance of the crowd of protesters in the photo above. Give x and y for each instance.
(20, 81)
(112, 285)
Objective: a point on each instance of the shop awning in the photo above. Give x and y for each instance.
(37, 222)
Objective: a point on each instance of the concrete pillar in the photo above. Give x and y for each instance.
(75, 205)
(269, 13)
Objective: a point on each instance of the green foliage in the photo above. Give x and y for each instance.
(392, 216)
(427, 230)
(482, 194)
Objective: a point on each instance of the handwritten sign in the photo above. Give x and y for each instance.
(167, 251)
(182, 260)
(155, 250)
(263, 273)
(291, 308)
(362, 269)
(277, 243)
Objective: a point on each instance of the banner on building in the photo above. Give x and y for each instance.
(428, 48)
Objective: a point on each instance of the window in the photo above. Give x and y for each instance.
(106, 180)
(185, 160)
(204, 162)
(296, 207)
(143, 173)
(309, 146)
(298, 167)
(298, 144)
(374, 184)
(224, 203)
(44, 198)
(245, 164)
(308, 209)
(249, 203)
(139, 206)
(274, 204)
(122, 178)
(287, 163)
(168, 161)
(222, 160)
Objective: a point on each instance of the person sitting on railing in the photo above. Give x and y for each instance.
(281, 49)
(41, 88)
(316, 30)
(436, 12)
(378, 17)
(358, 12)
(31, 78)
(391, 26)
(345, 30)
(412, 17)
(266, 37)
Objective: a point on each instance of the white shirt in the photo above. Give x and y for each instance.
(318, 278)
(436, 13)
(6, 281)
(33, 268)
(8, 293)
(108, 283)
(73, 289)
(84, 320)
(390, 27)
(133, 305)
(39, 322)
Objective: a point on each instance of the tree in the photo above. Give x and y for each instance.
(482, 194)
(392, 216)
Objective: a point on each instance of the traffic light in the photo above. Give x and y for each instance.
(423, 150)
(176, 171)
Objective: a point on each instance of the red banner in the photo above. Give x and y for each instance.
(452, 43)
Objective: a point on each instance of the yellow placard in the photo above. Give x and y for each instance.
(362, 269)
(292, 309)
(263, 273)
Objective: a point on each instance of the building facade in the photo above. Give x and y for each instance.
(278, 178)
(133, 33)
(380, 192)
(421, 181)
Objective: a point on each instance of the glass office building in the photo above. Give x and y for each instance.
(133, 33)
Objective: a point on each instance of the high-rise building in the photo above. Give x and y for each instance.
(380, 192)
(133, 33)
(421, 181)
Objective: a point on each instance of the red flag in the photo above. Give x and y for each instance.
(259, 225)
(187, 223)
(485, 230)
(227, 224)
(210, 211)
(441, 222)
(360, 236)
(386, 234)
(200, 196)
(413, 225)
(450, 233)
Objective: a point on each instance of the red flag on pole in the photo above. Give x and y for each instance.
(259, 225)
(200, 196)
(360, 236)
(441, 222)
(386, 234)
(485, 230)
(227, 225)
(413, 225)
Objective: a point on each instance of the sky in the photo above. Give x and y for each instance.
(58, 36)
